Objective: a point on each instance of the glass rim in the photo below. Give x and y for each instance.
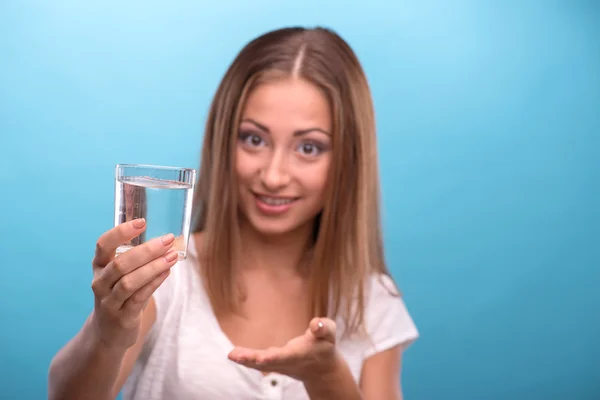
(156, 167)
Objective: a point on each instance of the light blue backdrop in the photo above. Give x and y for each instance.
(489, 124)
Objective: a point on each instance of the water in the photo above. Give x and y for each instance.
(166, 205)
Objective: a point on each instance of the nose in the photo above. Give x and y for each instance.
(275, 175)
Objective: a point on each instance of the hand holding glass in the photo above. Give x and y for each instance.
(161, 195)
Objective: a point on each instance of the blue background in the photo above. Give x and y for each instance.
(489, 124)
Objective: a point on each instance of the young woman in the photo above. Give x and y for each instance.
(285, 293)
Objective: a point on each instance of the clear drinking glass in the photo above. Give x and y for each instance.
(162, 195)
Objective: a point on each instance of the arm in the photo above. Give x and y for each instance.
(380, 378)
(338, 384)
(392, 331)
(87, 368)
(99, 358)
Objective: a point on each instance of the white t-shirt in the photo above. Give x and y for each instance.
(185, 354)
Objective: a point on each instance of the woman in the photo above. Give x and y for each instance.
(285, 293)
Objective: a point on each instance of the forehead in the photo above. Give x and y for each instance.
(286, 104)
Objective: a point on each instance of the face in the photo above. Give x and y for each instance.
(283, 155)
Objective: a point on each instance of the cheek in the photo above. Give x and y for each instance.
(243, 166)
(317, 180)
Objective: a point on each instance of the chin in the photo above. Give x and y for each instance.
(278, 226)
(273, 228)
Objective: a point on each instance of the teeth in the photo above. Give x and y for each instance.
(274, 201)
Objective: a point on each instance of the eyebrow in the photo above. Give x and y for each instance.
(296, 133)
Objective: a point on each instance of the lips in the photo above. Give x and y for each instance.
(273, 205)
(275, 201)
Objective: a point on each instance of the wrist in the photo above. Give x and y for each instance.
(329, 373)
(335, 384)
(97, 344)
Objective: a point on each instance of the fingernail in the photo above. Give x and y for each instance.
(320, 325)
(171, 256)
(139, 223)
(167, 239)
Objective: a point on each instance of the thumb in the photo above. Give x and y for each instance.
(323, 328)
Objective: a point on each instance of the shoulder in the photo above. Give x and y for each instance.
(387, 320)
(379, 284)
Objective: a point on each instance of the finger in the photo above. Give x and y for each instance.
(275, 356)
(137, 302)
(323, 328)
(242, 354)
(131, 283)
(262, 359)
(109, 241)
(135, 258)
(247, 356)
(251, 359)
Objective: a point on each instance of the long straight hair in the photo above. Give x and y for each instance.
(347, 247)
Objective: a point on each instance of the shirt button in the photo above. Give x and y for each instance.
(273, 382)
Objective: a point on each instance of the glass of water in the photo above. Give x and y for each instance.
(161, 195)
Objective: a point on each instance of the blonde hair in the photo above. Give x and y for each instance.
(347, 245)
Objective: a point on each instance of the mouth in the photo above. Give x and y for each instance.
(273, 204)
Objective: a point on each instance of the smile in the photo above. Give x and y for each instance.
(273, 205)
(275, 201)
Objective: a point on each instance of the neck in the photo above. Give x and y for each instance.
(276, 255)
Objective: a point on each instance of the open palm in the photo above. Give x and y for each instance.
(300, 358)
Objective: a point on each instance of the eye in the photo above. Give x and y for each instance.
(251, 139)
(310, 149)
